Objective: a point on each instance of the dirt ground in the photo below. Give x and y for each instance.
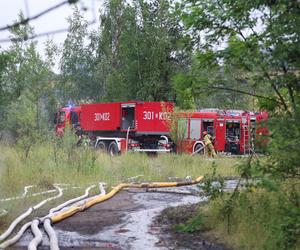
(183, 240)
(130, 220)
(100, 216)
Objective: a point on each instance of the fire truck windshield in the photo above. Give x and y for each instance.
(61, 117)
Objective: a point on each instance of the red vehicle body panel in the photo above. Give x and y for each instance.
(101, 116)
(149, 117)
(219, 144)
(153, 117)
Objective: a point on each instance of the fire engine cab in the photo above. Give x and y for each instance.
(67, 115)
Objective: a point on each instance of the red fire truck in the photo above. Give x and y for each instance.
(234, 131)
(146, 126)
(121, 126)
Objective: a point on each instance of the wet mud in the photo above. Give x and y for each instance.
(129, 220)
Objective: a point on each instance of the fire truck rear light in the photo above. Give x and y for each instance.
(164, 145)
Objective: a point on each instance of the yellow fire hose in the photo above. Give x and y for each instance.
(73, 210)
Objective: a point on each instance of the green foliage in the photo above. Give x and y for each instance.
(77, 62)
(185, 97)
(137, 52)
(25, 90)
(4, 98)
(252, 44)
(208, 84)
(21, 122)
(284, 147)
(133, 55)
(178, 130)
(192, 225)
(290, 223)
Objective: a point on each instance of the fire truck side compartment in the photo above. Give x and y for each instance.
(101, 116)
(233, 136)
(141, 117)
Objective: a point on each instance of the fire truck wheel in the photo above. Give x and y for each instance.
(101, 146)
(197, 147)
(113, 149)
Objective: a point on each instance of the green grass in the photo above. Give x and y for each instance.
(61, 163)
(84, 166)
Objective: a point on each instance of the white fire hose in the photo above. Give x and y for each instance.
(15, 223)
(52, 235)
(16, 237)
(37, 235)
(46, 221)
(26, 214)
(24, 195)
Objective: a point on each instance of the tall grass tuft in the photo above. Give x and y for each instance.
(59, 161)
(54, 162)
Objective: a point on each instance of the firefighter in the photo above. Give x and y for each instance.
(208, 144)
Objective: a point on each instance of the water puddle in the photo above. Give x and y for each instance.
(136, 232)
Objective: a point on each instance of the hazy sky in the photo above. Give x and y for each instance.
(54, 20)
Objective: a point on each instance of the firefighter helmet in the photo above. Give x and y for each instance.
(204, 133)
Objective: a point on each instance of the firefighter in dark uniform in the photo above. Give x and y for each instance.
(208, 144)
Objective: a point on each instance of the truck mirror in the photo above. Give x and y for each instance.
(55, 118)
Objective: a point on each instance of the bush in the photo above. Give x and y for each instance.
(259, 219)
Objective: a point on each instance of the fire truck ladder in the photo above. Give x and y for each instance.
(247, 140)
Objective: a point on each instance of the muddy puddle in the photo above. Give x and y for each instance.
(123, 222)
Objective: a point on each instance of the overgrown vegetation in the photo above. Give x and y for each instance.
(59, 161)
(262, 212)
(211, 53)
